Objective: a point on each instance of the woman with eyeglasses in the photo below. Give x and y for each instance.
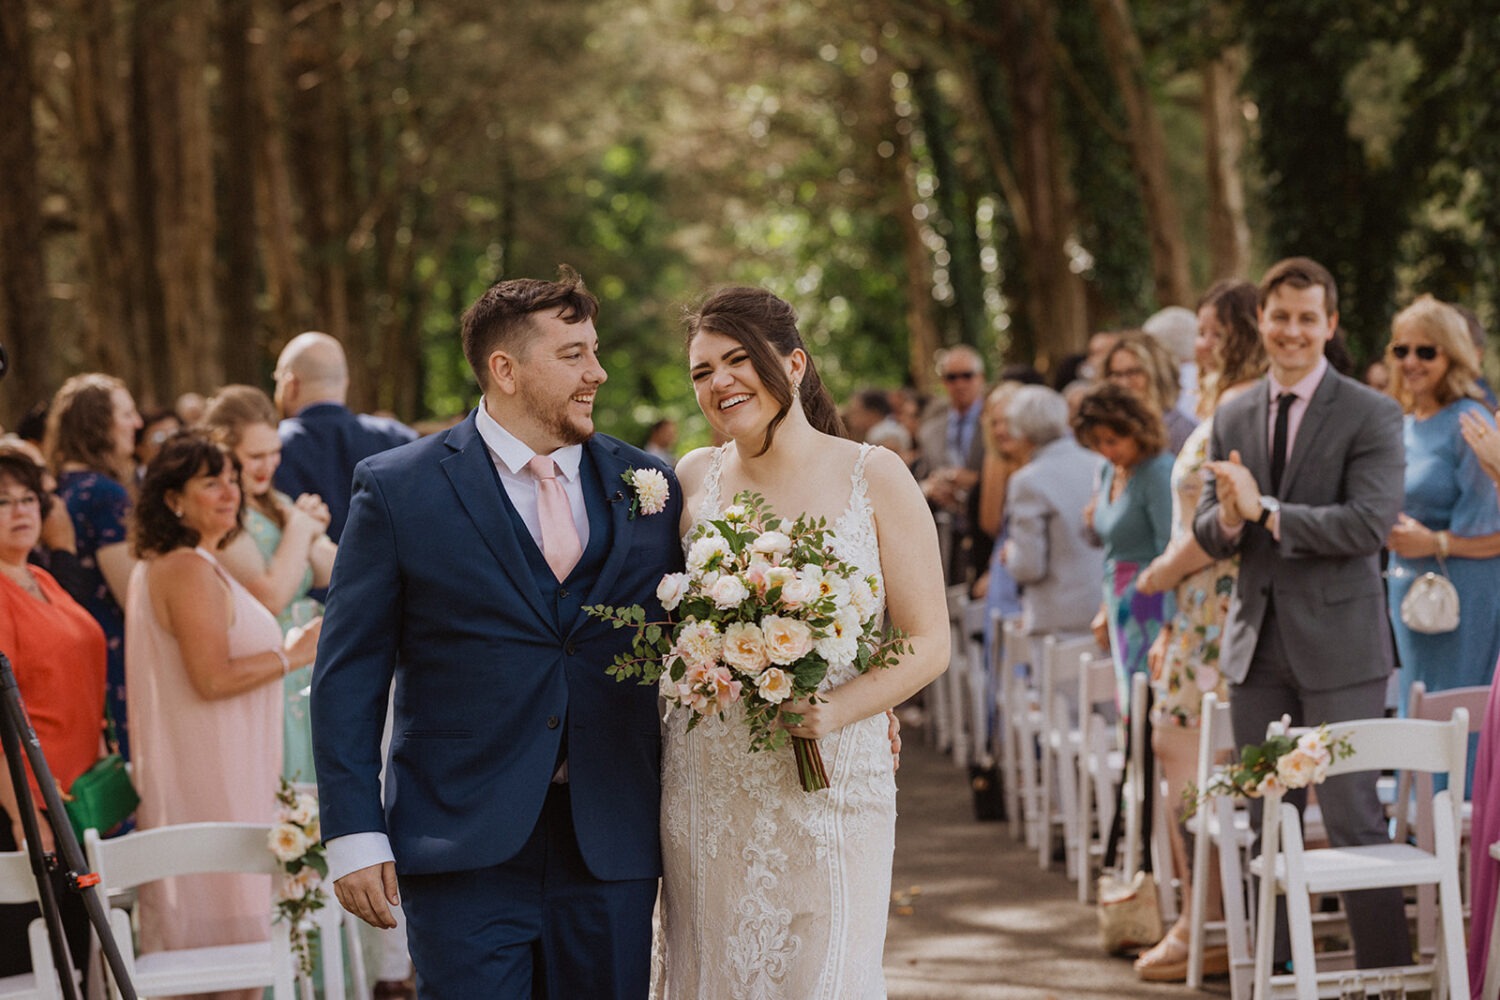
(1450, 522)
(56, 651)
(1140, 364)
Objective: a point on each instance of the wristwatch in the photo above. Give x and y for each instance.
(1268, 506)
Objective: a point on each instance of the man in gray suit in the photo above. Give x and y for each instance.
(1307, 473)
(951, 442)
(1047, 553)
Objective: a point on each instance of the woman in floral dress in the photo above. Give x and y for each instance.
(1184, 659)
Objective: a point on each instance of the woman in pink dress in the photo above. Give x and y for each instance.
(204, 661)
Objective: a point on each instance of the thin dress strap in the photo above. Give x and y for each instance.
(710, 506)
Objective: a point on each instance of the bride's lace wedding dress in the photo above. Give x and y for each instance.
(769, 891)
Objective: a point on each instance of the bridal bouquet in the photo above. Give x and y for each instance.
(1280, 763)
(297, 843)
(763, 612)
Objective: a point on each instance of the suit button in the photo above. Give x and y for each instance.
(553, 722)
(563, 593)
(571, 649)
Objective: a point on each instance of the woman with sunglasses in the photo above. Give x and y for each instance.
(1450, 523)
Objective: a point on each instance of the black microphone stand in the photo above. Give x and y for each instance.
(16, 734)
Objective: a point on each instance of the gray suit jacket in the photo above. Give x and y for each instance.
(1060, 573)
(1341, 492)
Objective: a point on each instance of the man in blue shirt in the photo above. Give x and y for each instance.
(321, 439)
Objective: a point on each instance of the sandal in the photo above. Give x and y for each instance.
(1167, 960)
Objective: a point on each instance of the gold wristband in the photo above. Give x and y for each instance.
(286, 661)
(1442, 544)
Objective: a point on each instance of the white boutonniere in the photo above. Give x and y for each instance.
(650, 490)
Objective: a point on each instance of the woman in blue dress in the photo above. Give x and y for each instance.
(91, 425)
(1131, 514)
(1450, 523)
(283, 552)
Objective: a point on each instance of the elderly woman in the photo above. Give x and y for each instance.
(1131, 515)
(205, 662)
(1184, 659)
(90, 439)
(1140, 363)
(56, 651)
(1449, 523)
(1047, 552)
(284, 550)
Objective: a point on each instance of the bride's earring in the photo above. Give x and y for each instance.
(797, 389)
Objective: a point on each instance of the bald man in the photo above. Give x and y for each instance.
(321, 440)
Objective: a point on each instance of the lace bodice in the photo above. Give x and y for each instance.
(770, 892)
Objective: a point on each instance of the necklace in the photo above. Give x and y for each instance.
(27, 582)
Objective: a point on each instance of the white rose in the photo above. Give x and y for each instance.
(772, 543)
(745, 647)
(305, 811)
(797, 592)
(705, 550)
(780, 576)
(841, 643)
(672, 589)
(1296, 768)
(728, 591)
(774, 685)
(287, 841)
(862, 598)
(699, 643)
(787, 639)
(650, 490)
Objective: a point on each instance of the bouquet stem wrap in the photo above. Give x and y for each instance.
(810, 770)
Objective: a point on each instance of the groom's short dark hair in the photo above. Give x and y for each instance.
(501, 317)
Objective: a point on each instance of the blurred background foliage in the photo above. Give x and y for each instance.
(192, 182)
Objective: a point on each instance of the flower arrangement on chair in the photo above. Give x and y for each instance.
(1281, 763)
(297, 842)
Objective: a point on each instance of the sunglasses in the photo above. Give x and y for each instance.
(958, 376)
(1425, 352)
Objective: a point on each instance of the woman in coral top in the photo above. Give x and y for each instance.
(56, 650)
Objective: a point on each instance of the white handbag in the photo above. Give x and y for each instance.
(1431, 605)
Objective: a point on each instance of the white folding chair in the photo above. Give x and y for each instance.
(1021, 710)
(1057, 796)
(1414, 814)
(1221, 823)
(949, 712)
(1101, 765)
(18, 885)
(1286, 867)
(194, 849)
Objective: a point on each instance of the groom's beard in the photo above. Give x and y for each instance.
(557, 418)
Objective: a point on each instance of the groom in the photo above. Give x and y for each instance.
(522, 796)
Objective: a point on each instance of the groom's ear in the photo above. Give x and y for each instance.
(502, 369)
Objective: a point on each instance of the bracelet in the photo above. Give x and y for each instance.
(1442, 544)
(286, 661)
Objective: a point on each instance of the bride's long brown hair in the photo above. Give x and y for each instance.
(766, 327)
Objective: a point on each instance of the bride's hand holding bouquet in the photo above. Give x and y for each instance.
(764, 610)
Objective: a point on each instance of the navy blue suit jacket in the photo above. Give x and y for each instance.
(320, 447)
(432, 587)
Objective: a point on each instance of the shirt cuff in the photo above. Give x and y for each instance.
(354, 851)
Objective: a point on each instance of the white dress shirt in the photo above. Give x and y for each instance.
(354, 851)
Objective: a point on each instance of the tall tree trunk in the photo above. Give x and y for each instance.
(23, 278)
(172, 47)
(116, 265)
(320, 158)
(1224, 142)
(1148, 153)
(1044, 219)
(244, 339)
(285, 280)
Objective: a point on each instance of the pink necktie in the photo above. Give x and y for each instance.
(560, 544)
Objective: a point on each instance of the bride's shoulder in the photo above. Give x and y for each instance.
(888, 478)
(693, 467)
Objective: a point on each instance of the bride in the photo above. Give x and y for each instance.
(770, 891)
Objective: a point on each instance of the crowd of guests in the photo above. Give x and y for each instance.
(1080, 508)
(160, 600)
(160, 574)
